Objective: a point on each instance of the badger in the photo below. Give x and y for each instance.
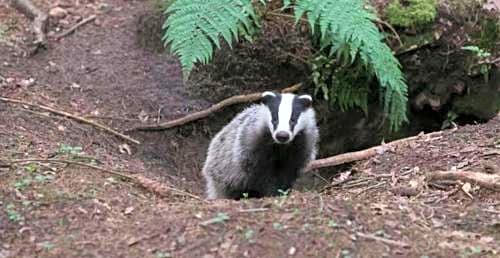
(263, 150)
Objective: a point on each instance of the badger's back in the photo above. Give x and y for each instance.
(222, 167)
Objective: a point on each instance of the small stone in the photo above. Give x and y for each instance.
(129, 210)
(292, 250)
(58, 12)
(27, 82)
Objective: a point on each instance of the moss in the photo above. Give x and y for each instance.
(411, 13)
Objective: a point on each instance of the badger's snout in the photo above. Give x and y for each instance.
(282, 136)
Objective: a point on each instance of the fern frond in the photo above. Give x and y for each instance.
(348, 22)
(194, 28)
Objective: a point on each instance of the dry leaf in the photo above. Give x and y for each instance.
(125, 148)
(143, 116)
(74, 86)
(129, 210)
(467, 188)
(344, 176)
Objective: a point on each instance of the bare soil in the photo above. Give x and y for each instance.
(51, 210)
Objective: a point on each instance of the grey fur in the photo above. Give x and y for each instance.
(244, 158)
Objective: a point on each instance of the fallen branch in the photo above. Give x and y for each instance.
(75, 27)
(384, 240)
(253, 210)
(365, 154)
(75, 117)
(40, 20)
(490, 181)
(204, 113)
(146, 183)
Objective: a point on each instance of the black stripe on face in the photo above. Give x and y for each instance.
(298, 106)
(273, 103)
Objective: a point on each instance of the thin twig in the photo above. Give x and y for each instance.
(69, 162)
(112, 118)
(396, 35)
(144, 182)
(75, 117)
(370, 187)
(446, 195)
(253, 210)
(383, 240)
(204, 113)
(75, 27)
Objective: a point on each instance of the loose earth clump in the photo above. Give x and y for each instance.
(101, 72)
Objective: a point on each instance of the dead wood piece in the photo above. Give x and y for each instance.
(253, 210)
(161, 189)
(384, 240)
(204, 113)
(74, 117)
(40, 19)
(76, 26)
(146, 183)
(406, 191)
(490, 181)
(370, 188)
(366, 154)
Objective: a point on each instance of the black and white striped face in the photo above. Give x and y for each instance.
(289, 114)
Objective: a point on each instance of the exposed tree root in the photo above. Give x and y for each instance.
(74, 117)
(366, 154)
(75, 27)
(384, 240)
(146, 183)
(40, 20)
(204, 113)
(490, 181)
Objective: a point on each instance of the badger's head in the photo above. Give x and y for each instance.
(288, 115)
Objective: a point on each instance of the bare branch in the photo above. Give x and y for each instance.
(75, 27)
(365, 154)
(214, 108)
(75, 117)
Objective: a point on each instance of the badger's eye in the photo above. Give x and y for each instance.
(274, 121)
(293, 123)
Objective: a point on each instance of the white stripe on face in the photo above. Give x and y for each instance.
(285, 113)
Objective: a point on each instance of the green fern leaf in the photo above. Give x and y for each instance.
(348, 22)
(194, 28)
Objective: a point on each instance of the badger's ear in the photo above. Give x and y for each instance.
(306, 100)
(267, 96)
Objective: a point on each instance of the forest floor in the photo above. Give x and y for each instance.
(54, 210)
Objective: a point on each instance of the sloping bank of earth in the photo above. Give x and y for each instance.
(63, 218)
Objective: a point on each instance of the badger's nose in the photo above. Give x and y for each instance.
(282, 136)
